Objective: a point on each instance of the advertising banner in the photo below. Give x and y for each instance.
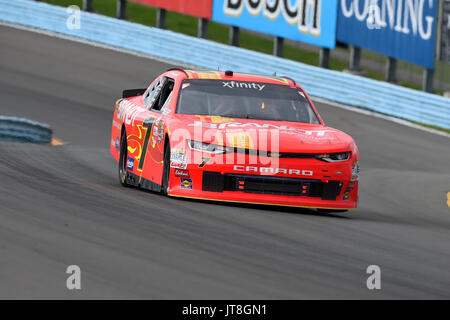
(310, 21)
(401, 29)
(196, 8)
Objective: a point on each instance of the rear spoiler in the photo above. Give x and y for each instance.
(132, 93)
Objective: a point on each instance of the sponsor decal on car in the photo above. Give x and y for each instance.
(127, 111)
(246, 85)
(203, 74)
(283, 128)
(215, 119)
(355, 171)
(240, 140)
(204, 162)
(158, 130)
(177, 154)
(346, 195)
(271, 170)
(130, 163)
(186, 183)
(178, 165)
(117, 144)
(181, 173)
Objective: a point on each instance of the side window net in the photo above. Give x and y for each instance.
(164, 91)
(152, 94)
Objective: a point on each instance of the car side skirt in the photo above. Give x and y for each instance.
(137, 181)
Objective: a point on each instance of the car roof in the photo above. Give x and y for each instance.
(230, 75)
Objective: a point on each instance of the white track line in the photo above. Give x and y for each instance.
(173, 62)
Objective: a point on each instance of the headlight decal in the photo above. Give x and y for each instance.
(206, 147)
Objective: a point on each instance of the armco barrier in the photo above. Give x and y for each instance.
(335, 86)
(24, 130)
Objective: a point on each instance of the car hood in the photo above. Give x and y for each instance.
(274, 136)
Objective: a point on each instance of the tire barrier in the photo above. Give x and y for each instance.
(23, 130)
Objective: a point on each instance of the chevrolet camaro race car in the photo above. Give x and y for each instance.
(232, 137)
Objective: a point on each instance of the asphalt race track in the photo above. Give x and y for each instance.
(63, 205)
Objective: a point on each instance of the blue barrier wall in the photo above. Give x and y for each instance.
(335, 86)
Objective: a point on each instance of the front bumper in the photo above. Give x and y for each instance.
(331, 186)
(253, 184)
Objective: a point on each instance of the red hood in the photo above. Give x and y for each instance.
(250, 133)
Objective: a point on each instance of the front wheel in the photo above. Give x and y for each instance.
(166, 170)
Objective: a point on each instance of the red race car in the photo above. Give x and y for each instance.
(235, 137)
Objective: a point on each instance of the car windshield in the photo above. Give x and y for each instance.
(248, 100)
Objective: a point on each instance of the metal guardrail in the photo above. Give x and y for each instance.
(335, 86)
(14, 129)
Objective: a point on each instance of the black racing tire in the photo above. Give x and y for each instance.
(123, 158)
(166, 170)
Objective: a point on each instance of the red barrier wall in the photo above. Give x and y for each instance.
(196, 8)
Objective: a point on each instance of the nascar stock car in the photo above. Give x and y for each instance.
(235, 137)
